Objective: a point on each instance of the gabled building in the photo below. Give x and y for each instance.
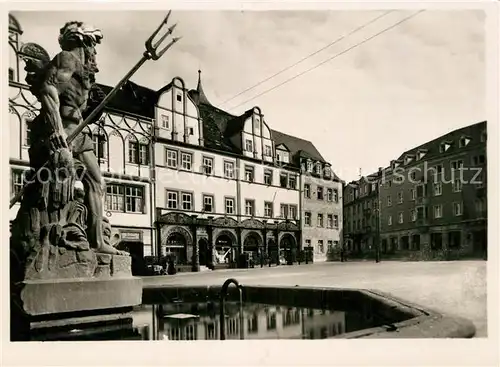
(428, 204)
(186, 179)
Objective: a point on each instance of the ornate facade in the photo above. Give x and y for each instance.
(184, 178)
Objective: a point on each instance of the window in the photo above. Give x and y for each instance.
(444, 147)
(187, 201)
(172, 199)
(308, 243)
(115, 198)
(328, 172)
(283, 179)
(268, 177)
(400, 217)
(319, 193)
(138, 153)
(457, 209)
(318, 168)
(307, 218)
(389, 220)
(191, 131)
(208, 203)
(400, 197)
(463, 142)
(480, 206)
(329, 195)
(248, 145)
(268, 151)
(478, 160)
(438, 211)
(309, 166)
(307, 191)
(335, 221)
(335, 195)
(320, 220)
(292, 209)
(329, 221)
(27, 132)
(389, 200)
(321, 249)
(208, 165)
(292, 181)
(422, 212)
(229, 205)
(179, 97)
(134, 199)
(165, 122)
(249, 207)
(99, 141)
(457, 185)
(229, 169)
(438, 188)
(329, 245)
(413, 194)
(413, 214)
(186, 161)
(457, 165)
(421, 191)
(17, 181)
(284, 211)
(171, 158)
(271, 321)
(249, 173)
(123, 198)
(268, 209)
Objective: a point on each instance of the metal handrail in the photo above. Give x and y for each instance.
(223, 295)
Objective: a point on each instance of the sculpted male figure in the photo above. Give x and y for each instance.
(62, 88)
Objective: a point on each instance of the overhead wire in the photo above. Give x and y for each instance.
(329, 59)
(310, 55)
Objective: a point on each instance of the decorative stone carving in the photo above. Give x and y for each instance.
(59, 230)
(287, 226)
(225, 222)
(252, 223)
(176, 218)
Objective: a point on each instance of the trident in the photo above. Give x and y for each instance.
(151, 53)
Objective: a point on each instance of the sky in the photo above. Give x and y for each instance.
(419, 80)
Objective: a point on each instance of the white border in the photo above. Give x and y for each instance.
(235, 353)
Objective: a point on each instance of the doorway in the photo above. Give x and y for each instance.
(205, 253)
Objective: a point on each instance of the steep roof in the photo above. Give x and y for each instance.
(432, 147)
(297, 145)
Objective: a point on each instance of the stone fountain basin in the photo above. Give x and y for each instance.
(401, 319)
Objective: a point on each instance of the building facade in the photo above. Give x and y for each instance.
(361, 216)
(184, 178)
(432, 201)
(321, 206)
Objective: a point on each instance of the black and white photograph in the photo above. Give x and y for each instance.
(251, 175)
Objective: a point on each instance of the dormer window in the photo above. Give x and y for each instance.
(328, 171)
(318, 168)
(421, 154)
(444, 147)
(463, 142)
(309, 166)
(408, 159)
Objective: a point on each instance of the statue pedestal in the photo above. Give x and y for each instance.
(77, 309)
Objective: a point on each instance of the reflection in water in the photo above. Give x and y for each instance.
(200, 321)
